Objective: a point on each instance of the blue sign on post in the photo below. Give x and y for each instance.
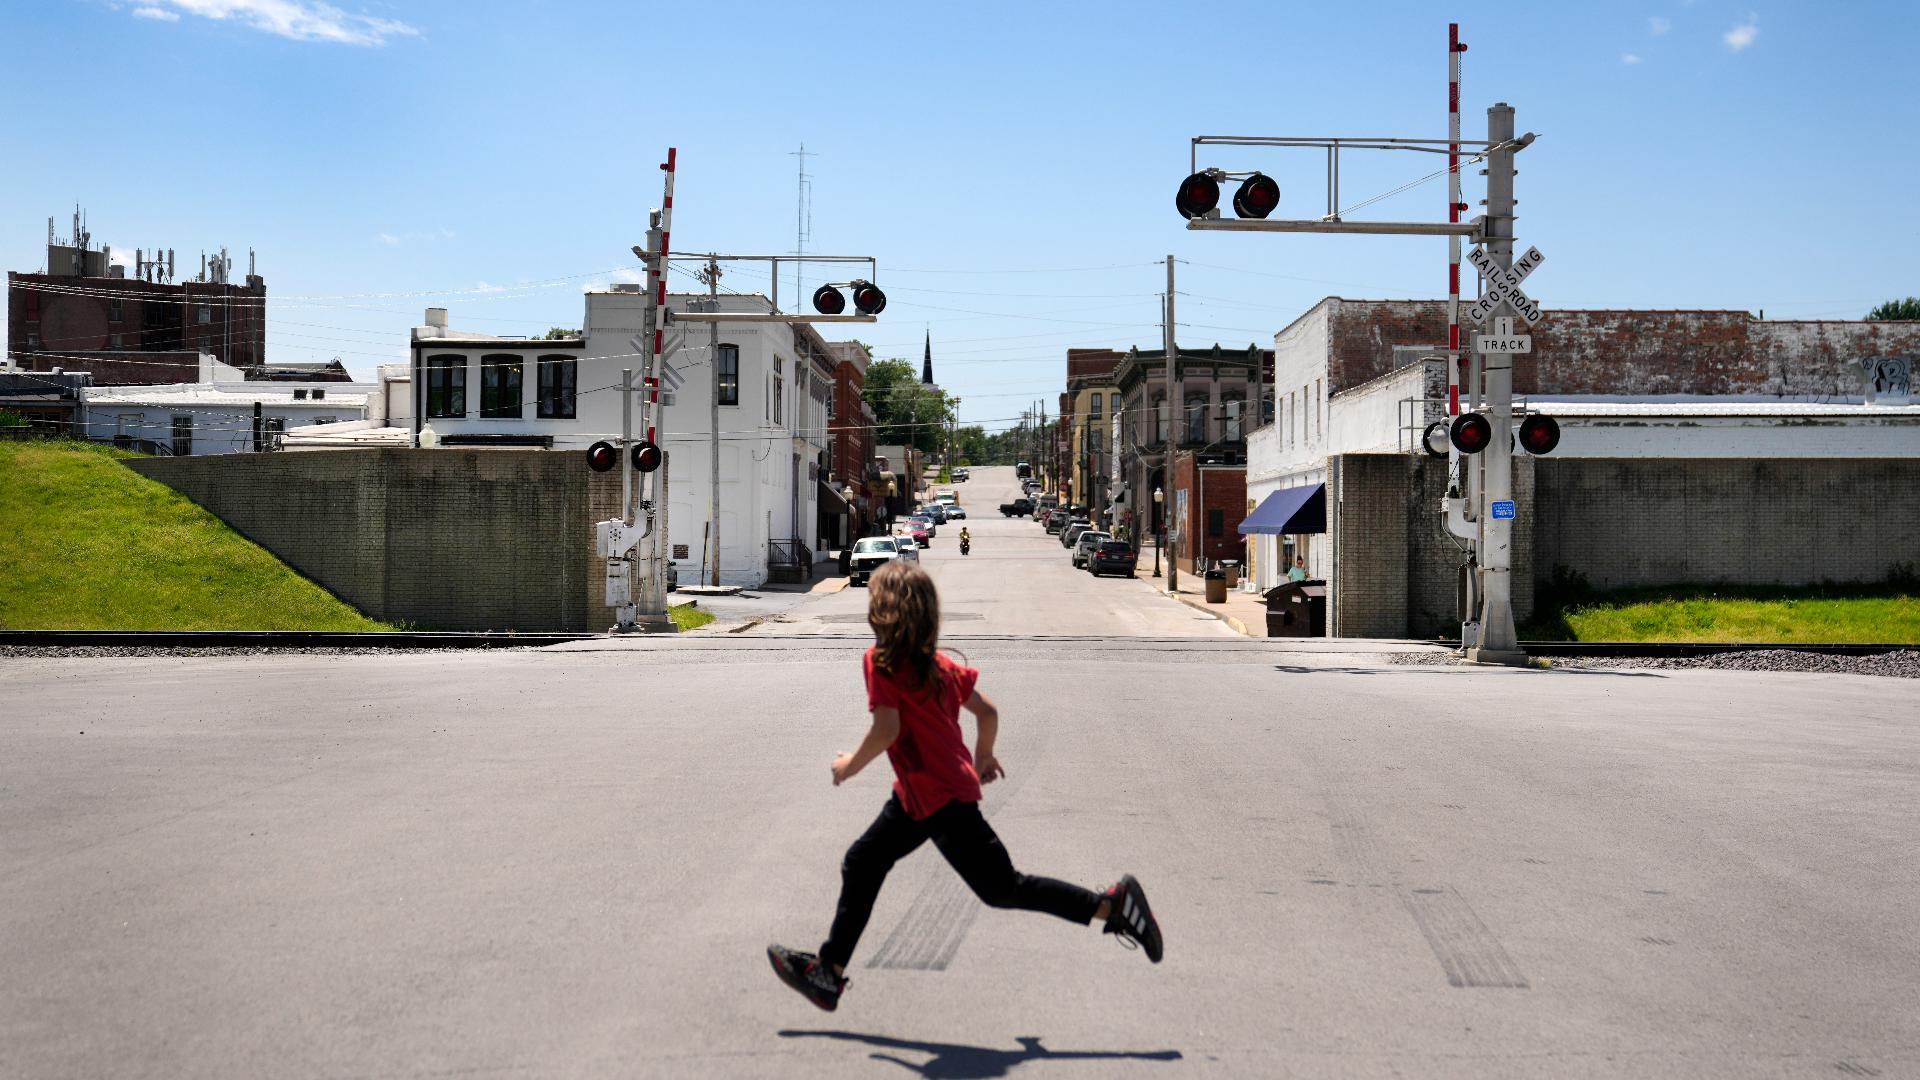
(1502, 509)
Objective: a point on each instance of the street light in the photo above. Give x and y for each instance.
(1161, 537)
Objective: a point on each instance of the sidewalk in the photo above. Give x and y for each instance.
(1245, 612)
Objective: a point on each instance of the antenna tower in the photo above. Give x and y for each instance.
(802, 221)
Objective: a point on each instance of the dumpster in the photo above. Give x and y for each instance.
(1297, 609)
(1216, 579)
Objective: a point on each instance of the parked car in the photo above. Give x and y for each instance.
(1022, 469)
(915, 530)
(925, 518)
(1016, 508)
(1085, 543)
(869, 554)
(936, 513)
(1056, 520)
(1071, 532)
(1113, 557)
(957, 512)
(946, 496)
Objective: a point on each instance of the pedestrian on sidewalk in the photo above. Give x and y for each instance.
(1299, 570)
(915, 693)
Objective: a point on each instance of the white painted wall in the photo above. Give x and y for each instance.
(222, 413)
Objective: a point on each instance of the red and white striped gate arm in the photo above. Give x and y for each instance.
(1455, 357)
(660, 295)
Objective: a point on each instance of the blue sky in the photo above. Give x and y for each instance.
(1012, 166)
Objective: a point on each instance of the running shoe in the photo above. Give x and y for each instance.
(805, 973)
(1129, 917)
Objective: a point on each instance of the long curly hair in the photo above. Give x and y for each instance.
(904, 610)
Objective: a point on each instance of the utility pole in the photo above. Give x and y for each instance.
(1498, 641)
(712, 276)
(1172, 440)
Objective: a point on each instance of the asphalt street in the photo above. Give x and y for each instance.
(569, 862)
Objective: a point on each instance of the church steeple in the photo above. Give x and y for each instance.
(926, 366)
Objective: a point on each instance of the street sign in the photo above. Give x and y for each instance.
(1503, 286)
(1503, 509)
(1502, 344)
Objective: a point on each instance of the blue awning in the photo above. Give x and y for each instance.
(1290, 510)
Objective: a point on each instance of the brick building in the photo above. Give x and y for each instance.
(1088, 407)
(1207, 501)
(84, 314)
(851, 420)
(1696, 447)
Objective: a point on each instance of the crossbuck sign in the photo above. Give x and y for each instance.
(1503, 285)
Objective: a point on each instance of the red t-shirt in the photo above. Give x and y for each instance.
(931, 764)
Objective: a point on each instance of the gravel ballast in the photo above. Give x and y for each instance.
(1899, 664)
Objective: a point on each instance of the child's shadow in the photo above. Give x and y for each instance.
(954, 1061)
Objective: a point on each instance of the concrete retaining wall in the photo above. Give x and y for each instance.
(438, 539)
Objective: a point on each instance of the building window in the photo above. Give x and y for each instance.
(113, 309)
(113, 341)
(1093, 406)
(1216, 523)
(729, 359)
(206, 314)
(1319, 407)
(33, 339)
(779, 400)
(1093, 440)
(126, 424)
(558, 384)
(1197, 419)
(182, 436)
(1232, 408)
(446, 386)
(1159, 419)
(319, 392)
(500, 387)
(299, 393)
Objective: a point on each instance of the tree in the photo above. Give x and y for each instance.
(905, 410)
(1908, 309)
(560, 333)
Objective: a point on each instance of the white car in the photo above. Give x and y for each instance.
(873, 552)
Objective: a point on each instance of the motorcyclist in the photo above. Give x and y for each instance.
(966, 538)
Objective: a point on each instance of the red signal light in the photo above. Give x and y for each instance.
(1539, 434)
(1259, 195)
(1471, 433)
(828, 301)
(647, 456)
(1198, 194)
(868, 299)
(601, 456)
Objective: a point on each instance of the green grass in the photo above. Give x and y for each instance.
(1814, 614)
(945, 476)
(92, 545)
(688, 617)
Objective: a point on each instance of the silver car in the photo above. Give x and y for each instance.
(1083, 547)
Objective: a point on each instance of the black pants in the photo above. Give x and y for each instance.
(970, 847)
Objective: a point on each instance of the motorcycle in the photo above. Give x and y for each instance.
(966, 544)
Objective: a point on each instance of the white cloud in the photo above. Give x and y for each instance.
(1742, 35)
(300, 20)
(1629, 58)
(389, 238)
(1658, 25)
(485, 288)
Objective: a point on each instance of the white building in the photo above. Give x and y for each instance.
(773, 380)
(1323, 404)
(216, 414)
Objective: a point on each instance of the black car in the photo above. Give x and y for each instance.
(1113, 557)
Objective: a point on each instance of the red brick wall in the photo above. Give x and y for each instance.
(1632, 352)
(1225, 490)
(1095, 364)
(852, 438)
(153, 318)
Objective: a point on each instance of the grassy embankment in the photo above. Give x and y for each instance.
(1817, 614)
(91, 545)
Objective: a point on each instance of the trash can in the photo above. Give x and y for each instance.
(1297, 609)
(1216, 579)
(1232, 567)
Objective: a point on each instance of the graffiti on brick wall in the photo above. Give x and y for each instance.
(1889, 379)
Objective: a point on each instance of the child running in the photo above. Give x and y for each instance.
(915, 693)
